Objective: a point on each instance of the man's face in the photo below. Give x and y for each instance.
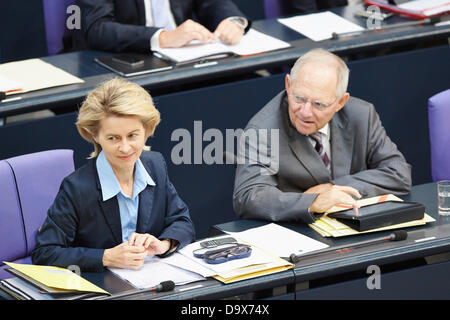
(312, 98)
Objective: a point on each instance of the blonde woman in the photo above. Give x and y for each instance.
(120, 206)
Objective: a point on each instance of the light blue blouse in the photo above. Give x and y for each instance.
(128, 207)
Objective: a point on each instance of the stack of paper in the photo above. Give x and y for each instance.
(46, 283)
(320, 26)
(268, 243)
(253, 42)
(155, 271)
(327, 226)
(32, 74)
(427, 7)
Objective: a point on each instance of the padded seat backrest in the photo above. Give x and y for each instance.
(439, 124)
(12, 234)
(38, 177)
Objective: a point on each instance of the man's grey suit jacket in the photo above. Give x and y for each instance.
(362, 156)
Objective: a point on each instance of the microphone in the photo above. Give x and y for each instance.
(162, 287)
(397, 235)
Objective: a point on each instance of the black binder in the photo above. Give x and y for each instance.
(381, 215)
(150, 64)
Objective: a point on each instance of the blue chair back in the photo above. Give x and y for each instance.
(439, 126)
(55, 16)
(273, 8)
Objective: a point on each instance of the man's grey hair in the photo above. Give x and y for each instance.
(323, 56)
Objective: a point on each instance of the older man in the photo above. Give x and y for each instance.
(331, 149)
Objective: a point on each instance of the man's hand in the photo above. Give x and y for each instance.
(183, 34)
(124, 256)
(335, 195)
(229, 32)
(151, 244)
(320, 188)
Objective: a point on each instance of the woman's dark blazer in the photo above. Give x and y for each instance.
(80, 225)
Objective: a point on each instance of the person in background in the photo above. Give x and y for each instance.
(120, 207)
(331, 148)
(144, 25)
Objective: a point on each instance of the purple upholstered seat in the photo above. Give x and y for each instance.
(439, 124)
(33, 182)
(55, 23)
(273, 8)
(12, 237)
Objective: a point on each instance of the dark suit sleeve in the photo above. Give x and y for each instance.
(178, 224)
(211, 12)
(256, 192)
(387, 170)
(56, 236)
(102, 32)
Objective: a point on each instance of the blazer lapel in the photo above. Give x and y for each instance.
(145, 205)
(145, 209)
(341, 145)
(141, 12)
(110, 210)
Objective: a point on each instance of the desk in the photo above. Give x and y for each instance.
(428, 281)
(404, 273)
(82, 64)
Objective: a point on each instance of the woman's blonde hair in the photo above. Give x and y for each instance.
(120, 98)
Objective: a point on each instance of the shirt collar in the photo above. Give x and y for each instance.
(325, 131)
(108, 181)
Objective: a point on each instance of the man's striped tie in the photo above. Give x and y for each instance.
(317, 136)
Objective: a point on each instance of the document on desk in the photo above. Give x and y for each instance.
(34, 74)
(260, 262)
(154, 271)
(427, 7)
(320, 26)
(279, 240)
(253, 42)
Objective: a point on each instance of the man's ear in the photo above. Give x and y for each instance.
(287, 83)
(342, 101)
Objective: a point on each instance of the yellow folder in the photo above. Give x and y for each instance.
(55, 277)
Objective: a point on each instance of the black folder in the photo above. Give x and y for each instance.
(150, 64)
(381, 215)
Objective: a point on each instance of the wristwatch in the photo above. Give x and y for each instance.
(240, 21)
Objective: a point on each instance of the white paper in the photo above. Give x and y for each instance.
(427, 7)
(320, 26)
(36, 74)
(179, 260)
(252, 42)
(279, 240)
(8, 84)
(154, 271)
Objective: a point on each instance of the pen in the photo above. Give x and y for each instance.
(10, 99)
(205, 64)
(425, 239)
(427, 21)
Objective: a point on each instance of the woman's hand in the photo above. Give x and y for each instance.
(151, 244)
(125, 256)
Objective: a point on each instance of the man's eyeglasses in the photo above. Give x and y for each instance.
(315, 104)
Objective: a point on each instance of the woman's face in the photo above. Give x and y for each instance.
(122, 139)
